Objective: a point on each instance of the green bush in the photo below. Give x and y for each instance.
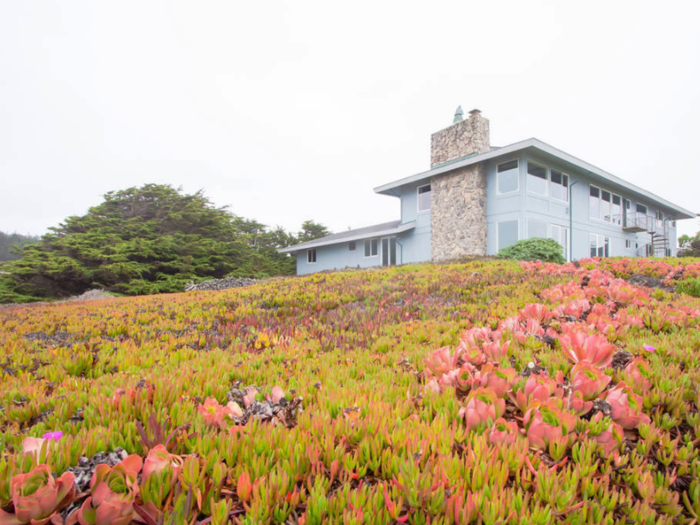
(545, 250)
(689, 286)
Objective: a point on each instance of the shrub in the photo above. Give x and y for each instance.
(537, 249)
(689, 286)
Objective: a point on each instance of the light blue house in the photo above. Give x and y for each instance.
(477, 199)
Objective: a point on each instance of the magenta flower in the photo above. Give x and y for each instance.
(649, 348)
(55, 435)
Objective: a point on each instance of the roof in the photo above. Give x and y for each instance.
(538, 145)
(378, 230)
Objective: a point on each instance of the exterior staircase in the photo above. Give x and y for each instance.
(660, 239)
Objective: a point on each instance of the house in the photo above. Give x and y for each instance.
(477, 199)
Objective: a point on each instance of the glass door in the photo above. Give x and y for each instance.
(389, 251)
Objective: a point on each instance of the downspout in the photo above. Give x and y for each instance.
(571, 221)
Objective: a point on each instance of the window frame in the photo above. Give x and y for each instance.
(568, 185)
(606, 244)
(352, 246)
(309, 252)
(498, 235)
(418, 194)
(527, 228)
(517, 178)
(368, 242)
(567, 237)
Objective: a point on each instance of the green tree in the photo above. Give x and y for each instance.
(689, 246)
(311, 230)
(145, 240)
(12, 243)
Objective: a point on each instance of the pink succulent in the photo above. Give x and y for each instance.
(464, 379)
(474, 356)
(37, 497)
(498, 379)
(548, 423)
(113, 492)
(589, 380)
(536, 311)
(577, 404)
(249, 397)
(277, 394)
(503, 432)
(537, 388)
(483, 406)
(495, 351)
(440, 361)
(474, 337)
(593, 348)
(159, 459)
(213, 412)
(639, 374)
(32, 445)
(626, 407)
(234, 410)
(433, 386)
(611, 437)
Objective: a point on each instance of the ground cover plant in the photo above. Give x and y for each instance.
(486, 392)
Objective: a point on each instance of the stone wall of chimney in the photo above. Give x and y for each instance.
(458, 198)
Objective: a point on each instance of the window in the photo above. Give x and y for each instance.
(628, 243)
(559, 185)
(660, 215)
(536, 229)
(616, 209)
(536, 178)
(508, 175)
(561, 235)
(641, 208)
(594, 203)
(352, 246)
(599, 245)
(669, 253)
(311, 255)
(424, 198)
(507, 234)
(605, 205)
(371, 248)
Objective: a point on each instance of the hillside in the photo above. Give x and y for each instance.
(486, 392)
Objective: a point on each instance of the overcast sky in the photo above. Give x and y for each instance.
(288, 111)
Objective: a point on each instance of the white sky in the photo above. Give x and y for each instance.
(288, 111)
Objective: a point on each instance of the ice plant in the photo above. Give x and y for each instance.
(213, 412)
(536, 388)
(607, 433)
(440, 361)
(536, 311)
(498, 379)
(589, 380)
(593, 348)
(483, 407)
(503, 431)
(548, 423)
(37, 497)
(639, 373)
(159, 459)
(626, 407)
(113, 491)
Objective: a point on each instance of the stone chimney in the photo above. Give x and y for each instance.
(461, 139)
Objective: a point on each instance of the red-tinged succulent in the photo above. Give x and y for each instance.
(593, 348)
(32, 445)
(537, 388)
(476, 336)
(159, 459)
(464, 379)
(244, 487)
(536, 311)
(483, 407)
(249, 397)
(37, 497)
(121, 392)
(575, 308)
(498, 379)
(113, 491)
(213, 412)
(577, 404)
(504, 431)
(234, 409)
(589, 380)
(548, 423)
(474, 356)
(495, 351)
(433, 386)
(639, 373)
(610, 436)
(277, 394)
(626, 407)
(440, 361)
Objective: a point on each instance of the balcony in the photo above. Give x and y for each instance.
(637, 222)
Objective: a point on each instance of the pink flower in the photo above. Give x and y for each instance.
(649, 348)
(483, 406)
(213, 412)
(626, 407)
(593, 348)
(56, 435)
(589, 380)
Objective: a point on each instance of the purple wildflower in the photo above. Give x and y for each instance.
(649, 348)
(56, 436)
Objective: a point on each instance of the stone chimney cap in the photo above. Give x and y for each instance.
(475, 112)
(459, 115)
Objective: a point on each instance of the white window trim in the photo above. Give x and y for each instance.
(567, 236)
(418, 198)
(517, 179)
(370, 248)
(598, 246)
(308, 256)
(568, 185)
(546, 179)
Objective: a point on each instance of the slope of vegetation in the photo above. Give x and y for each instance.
(11, 242)
(487, 392)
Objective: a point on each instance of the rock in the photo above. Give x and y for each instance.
(221, 284)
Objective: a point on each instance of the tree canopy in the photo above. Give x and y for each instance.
(689, 246)
(10, 243)
(146, 240)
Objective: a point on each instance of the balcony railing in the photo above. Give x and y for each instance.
(637, 221)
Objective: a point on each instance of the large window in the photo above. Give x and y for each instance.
(604, 206)
(599, 245)
(371, 247)
(616, 209)
(311, 255)
(508, 176)
(559, 185)
(536, 229)
(594, 203)
(641, 208)
(507, 234)
(424, 198)
(561, 235)
(352, 246)
(536, 178)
